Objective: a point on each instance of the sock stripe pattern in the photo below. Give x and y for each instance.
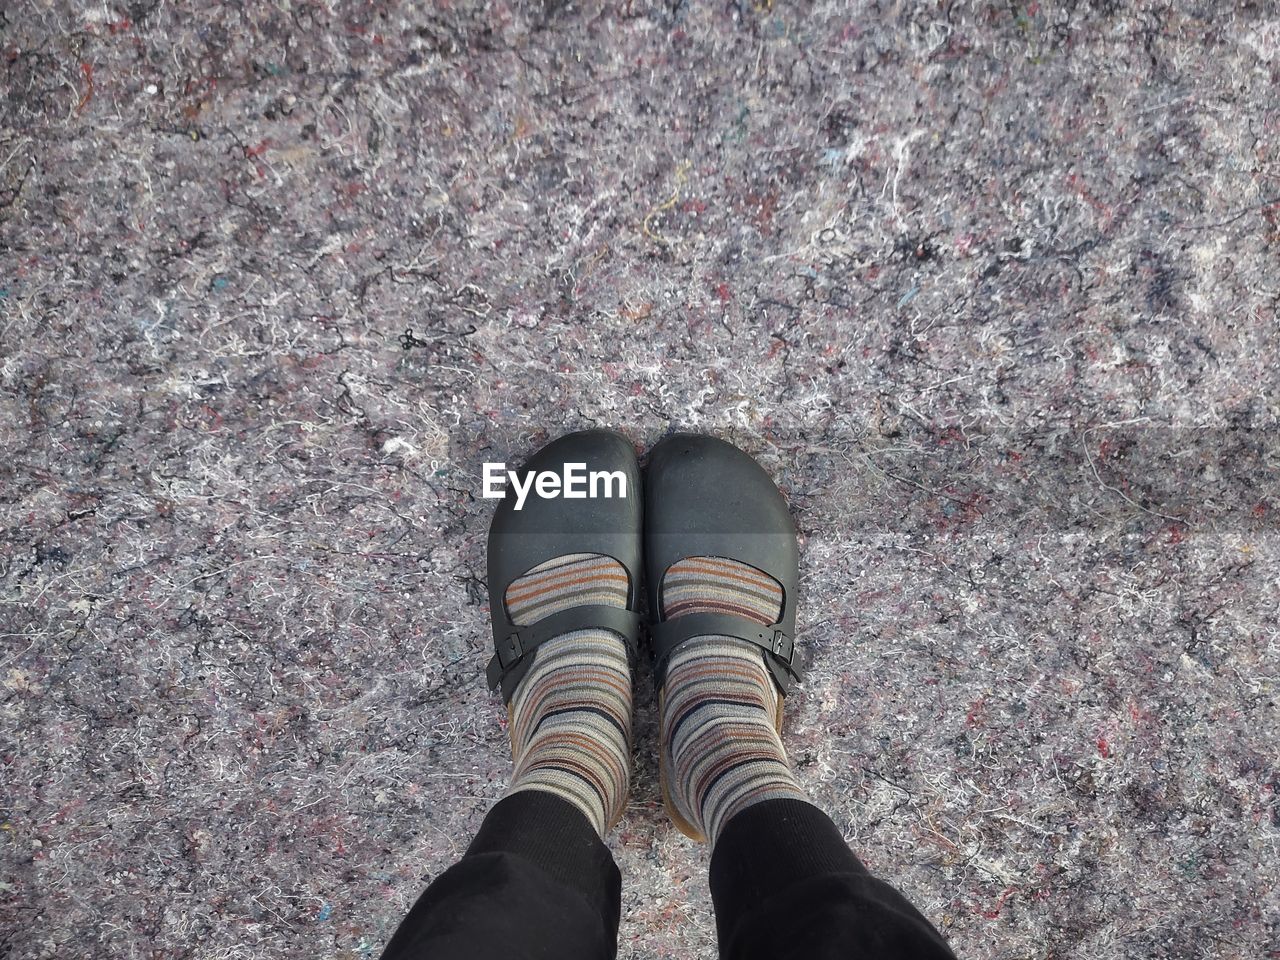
(721, 751)
(571, 713)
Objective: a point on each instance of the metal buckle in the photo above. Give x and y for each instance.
(783, 646)
(510, 651)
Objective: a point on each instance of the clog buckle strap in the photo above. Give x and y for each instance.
(778, 644)
(516, 643)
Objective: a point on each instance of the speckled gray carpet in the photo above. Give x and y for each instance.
(991, 288)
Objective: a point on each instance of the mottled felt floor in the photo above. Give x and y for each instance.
(991, 288)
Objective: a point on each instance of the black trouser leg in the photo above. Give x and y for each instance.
(787, 887)
(535, 883)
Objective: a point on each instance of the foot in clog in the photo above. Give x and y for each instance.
(563, 584)
(722, 567)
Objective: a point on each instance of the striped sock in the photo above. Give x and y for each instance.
(571, 713)
(718, 727)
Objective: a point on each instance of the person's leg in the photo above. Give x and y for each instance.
(785, 885)
(538, 881)
(783, 881)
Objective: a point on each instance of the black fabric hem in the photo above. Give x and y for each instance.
(555, 836)
(773, 844)
(786, 885)
(536, 883)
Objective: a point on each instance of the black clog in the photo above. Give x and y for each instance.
(549, 526)
(706, 498)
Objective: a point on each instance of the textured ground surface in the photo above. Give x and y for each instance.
(991, 288)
